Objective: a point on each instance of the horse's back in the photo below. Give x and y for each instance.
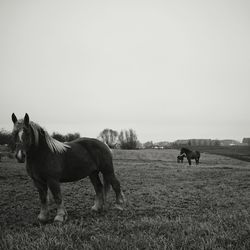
(94, 147)
(197, 153)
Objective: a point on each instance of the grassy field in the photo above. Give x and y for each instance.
(170, 206)
(236, 152)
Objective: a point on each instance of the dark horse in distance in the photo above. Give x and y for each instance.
(189, 154)
(49, 162)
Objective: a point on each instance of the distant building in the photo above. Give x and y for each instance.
(207, 142)
(230, 142)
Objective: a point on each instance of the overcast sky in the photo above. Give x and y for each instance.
(167, 69)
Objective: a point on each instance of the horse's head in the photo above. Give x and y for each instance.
(29, 137)
(22, 135)
(182, 151)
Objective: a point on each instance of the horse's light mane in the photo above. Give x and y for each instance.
(54, 145)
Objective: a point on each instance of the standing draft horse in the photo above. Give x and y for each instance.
(50, 162)
(190, 155)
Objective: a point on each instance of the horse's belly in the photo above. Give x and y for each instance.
(76, 171)
(82, 159)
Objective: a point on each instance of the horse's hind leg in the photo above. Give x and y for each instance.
(42, 190)
(197, 160)
(55, 189)
(111, 178)
(106, 189)
(99, 198)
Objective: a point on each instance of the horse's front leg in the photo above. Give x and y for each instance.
(54, 186)
(42, 190)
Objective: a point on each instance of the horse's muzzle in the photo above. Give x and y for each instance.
(20, 156)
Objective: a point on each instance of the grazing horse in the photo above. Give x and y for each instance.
(50, 162)
(180, 158)
(190, 155)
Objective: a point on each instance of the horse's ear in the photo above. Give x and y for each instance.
(14, 119)
(26, 120)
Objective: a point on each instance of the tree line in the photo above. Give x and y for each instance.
(7, 139)
(65, 138)
(126, 139)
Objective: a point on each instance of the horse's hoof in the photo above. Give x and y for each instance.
(42, 218)
(96, 209)
(60, 218)
(118, 207)
(122, 199)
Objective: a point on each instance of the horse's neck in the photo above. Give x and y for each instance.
(38, 149)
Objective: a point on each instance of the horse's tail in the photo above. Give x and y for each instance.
(109, 179)
(197, 157)
(106, 185)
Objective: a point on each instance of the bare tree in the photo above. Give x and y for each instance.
(148, 144)
(65, 138)
(71, 137)
(109, 136)
(58, 136)
(5, 137)
(128, 139)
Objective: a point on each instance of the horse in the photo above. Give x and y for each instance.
(191, 155)
(50, 162)
(180, 158)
